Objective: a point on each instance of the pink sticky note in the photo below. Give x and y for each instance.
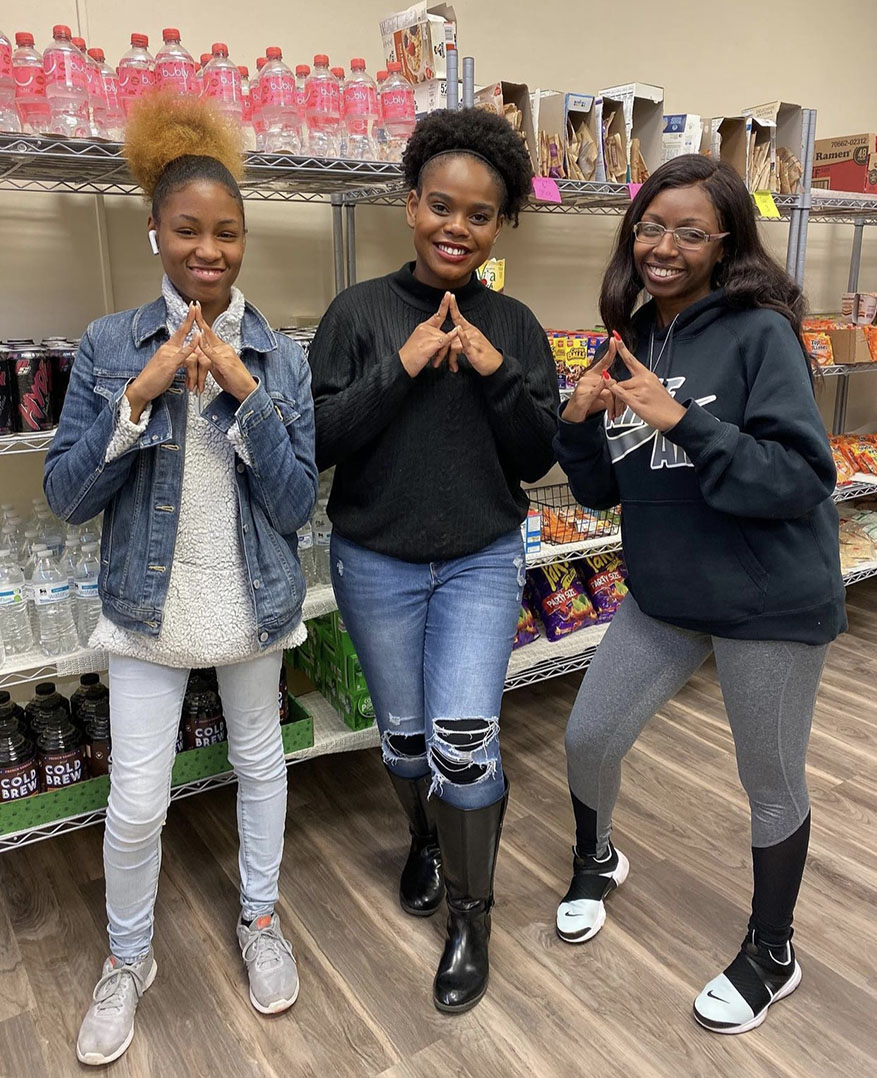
(634, 190)
(546, 189)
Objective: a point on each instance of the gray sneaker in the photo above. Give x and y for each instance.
(108, 1027)
(270, 965)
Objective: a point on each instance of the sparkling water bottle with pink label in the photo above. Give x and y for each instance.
(360, 112)
(9, 118)
(114, 117)
(277, 94)
(247, 128)
(301, 81)
(30, 85)
(206, 57)
(256, 103)
(380, 133)
(66, 85)
(397, 105)
(222, 83)
(174, 66)
(341, 76)
(96, 104)
(323, 108)
(136, 72)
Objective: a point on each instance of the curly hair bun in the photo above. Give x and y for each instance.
(163, 127)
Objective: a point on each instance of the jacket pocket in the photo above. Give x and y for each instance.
(689, 562)
(285, 408)
(108, 384)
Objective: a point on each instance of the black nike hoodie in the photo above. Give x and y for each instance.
(727, 519)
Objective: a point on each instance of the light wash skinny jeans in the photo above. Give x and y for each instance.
(146, 702)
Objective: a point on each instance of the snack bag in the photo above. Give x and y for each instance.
(562, 603)
(527, 631)
(604, 577)
(575, 523)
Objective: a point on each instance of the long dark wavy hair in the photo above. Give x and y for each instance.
(749, 275)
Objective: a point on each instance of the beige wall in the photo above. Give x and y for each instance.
(709, 60)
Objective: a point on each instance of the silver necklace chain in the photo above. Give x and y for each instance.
(653, 367)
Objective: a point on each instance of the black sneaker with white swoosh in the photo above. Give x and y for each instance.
(582, 913)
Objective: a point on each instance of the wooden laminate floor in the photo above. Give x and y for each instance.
(620, 1004)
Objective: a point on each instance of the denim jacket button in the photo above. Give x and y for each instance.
(257, 584)
(263, 636)
(242, 467)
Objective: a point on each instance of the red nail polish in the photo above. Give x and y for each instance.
(606, 375)
(617, 336)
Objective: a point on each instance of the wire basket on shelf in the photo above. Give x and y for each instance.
(565, 521)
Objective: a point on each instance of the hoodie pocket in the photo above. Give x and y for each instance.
(692, 563)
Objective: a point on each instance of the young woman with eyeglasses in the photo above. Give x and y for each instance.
(700, 420)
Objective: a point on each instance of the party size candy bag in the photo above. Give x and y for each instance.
(527, 630)
(561, 599)
(605, 580)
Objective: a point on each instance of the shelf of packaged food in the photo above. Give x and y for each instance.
(842, 207)
(857, 489)
(860, 572)
(45, 163)
(330, 735)
(543, 659)
(34, 442)
(553, 552)
(844, 368)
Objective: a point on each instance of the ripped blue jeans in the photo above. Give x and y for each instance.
(434, 641)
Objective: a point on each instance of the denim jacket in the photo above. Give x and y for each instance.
(139, 492)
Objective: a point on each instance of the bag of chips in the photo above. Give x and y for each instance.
(604, 577)
(527, 630)
(561, 600)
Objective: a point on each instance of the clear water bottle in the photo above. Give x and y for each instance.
(12, 537)
(323, 109)
(31, 540)
(88, 603)
(322, 538)
(302, 72)
(66, 85)
(256, 103)
(30, 85)
(174, 66)
(69, 560)
(249, 131)
(205, 59)
(111, 102)
(136, 72)
(28, 568)
(222, 83)
(52, 601)
(9, 118)
(306, 553)
(15, 627)
(96, 108)
(6, 511)
(397, 106)
(360, 112)
(277, 95)
(341, 148)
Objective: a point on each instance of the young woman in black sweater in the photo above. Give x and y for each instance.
(435, 398)
(701, 420)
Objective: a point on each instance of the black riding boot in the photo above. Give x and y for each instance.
(469, 840)
(421, 886)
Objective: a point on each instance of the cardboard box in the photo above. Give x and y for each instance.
(859, 308)
(531, 530)
(582, 129)
(549, 115)
(429, 96)
(727, 141)
(417, 38)
(846, 163)
(497, 95)
(682, 134)
(850, 345)
(642, 108)
(776, 129)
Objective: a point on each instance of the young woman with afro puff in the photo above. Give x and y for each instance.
(435, 398)
(189, 424)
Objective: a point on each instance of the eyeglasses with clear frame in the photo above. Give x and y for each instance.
(651, 233)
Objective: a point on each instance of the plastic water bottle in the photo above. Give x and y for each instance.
(136, 72)
(277, 97)
(360, 112)
(322, 539)
(222, 83)
(341, 147)
(256, 102)
(97, 106)
(15, 627)
(249, 131)
(323, 109)
(30, 85)
(12, 537)
(114, 116)
(205, 59)
(88, 603)
(28, 568)
(302, 72)
(66, 85)
(69, 560)
(174, 66)
(306, 552)
(9, 118)
(397, 105)
(52, 600)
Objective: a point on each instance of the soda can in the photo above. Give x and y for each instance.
(32, 387)
(61, 352)
(8, 412)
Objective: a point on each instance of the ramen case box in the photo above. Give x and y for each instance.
(417, 38)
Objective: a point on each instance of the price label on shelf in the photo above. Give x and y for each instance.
(765, 204)
(546, 189)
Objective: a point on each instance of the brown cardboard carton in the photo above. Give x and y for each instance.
(642, 107)
(582, 137)
(725, 140)
(776, 138)
(500, 97)
(846, 163)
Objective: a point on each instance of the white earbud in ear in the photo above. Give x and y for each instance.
(153, 240)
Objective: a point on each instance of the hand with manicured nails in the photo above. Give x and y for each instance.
(222, 361)
(472, 343)
(592, 393)
(428, 343)
(644, 393)
(161, 370)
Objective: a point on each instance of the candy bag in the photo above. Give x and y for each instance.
(527, 631)
(562, 602)
(604, 577)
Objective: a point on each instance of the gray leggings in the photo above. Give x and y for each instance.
(769, 688)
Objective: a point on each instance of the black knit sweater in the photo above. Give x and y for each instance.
(429, 468)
